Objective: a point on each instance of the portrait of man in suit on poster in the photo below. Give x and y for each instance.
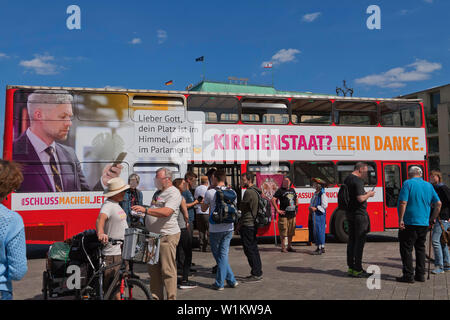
(48, 165)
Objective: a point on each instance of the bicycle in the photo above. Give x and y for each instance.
(124, 284)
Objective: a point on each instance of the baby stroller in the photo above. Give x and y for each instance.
(82, 250)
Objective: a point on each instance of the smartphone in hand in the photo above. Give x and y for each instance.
(119, 159)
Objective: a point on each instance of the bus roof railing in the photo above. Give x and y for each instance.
(252, 95)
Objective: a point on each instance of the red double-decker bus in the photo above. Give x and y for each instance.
(300, 136)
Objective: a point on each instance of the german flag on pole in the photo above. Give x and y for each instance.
(168, 83)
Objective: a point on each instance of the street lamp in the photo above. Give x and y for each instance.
(345, 90)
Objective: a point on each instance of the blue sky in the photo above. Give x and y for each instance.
(313, 45)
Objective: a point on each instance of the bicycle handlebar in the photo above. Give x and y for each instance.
(115, 241)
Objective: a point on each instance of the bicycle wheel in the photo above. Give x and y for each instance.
(134, 289)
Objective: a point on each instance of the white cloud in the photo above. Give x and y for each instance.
(42, 65)
(282, 56)
(161, 35)
(3, 55)
(136, 41)
(310, 17)
(397, 77)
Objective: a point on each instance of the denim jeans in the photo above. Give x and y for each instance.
(441, 255)
(220, 245)
(320, 221)
(6, 295)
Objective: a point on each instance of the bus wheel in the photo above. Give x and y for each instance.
(340, 226)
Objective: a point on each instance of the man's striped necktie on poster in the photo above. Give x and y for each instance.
(55, 171)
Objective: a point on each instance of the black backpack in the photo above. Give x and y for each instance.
(343, 197)
(264, 213)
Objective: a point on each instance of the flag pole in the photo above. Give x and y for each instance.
(272, 78)
(203, 63)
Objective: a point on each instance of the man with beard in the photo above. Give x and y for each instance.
(49, 166)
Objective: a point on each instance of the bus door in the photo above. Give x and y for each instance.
(392, 180)
(233, 172)
(407, 165)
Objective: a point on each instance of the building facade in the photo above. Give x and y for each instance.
(437, 115)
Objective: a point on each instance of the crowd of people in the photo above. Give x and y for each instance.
(177, 203)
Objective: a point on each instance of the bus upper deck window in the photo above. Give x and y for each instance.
(164, 103)
(400, 114)
(101, 106)
(217, 109)
(358, 113)
(156, 103)
(307, 111)
(264, 111)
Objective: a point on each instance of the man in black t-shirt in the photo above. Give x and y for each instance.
(358, 219)
(286, 213)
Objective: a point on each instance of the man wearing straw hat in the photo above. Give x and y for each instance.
(111, 223)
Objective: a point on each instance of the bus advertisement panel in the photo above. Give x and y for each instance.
(68, 142)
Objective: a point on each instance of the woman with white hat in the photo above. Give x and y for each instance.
(111, 223)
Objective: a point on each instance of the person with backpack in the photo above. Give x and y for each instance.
(13, 257)
(286, 213)
(441, 253)
(248, 229)
(221, 200)
(358, 219)
(318, 210)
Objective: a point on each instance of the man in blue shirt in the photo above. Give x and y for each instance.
(415, 199)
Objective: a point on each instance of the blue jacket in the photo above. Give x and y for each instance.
(13, 257)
